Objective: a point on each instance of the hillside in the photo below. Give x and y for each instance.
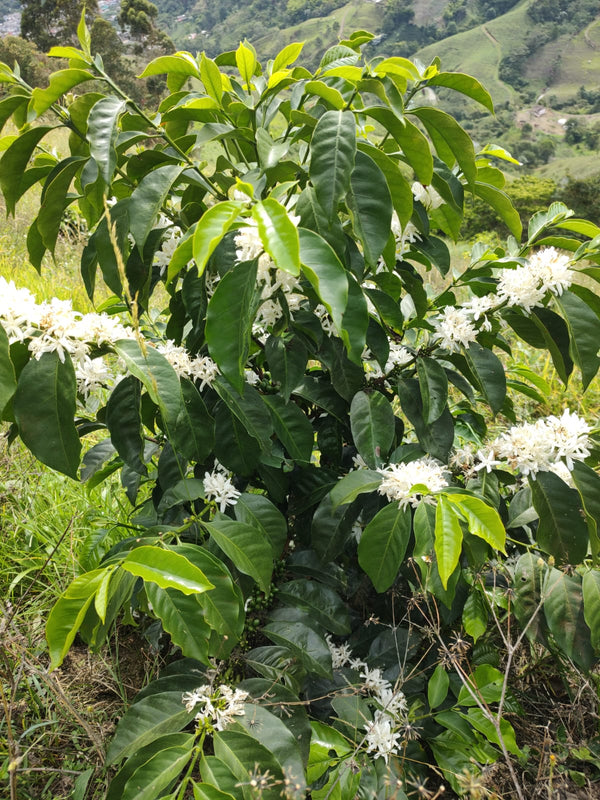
(534, 57)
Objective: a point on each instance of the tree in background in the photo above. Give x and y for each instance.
(138, 19)
(55, 21)
(35, 66)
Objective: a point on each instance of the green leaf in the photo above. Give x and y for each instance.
(102, 131)
(321, 602)
(309, 647)
(278, 739)
(259, 511)
(562, 531)
(372, 422)
(211, 228)
(242, 753)
(502, 205)
(181, 618)
(287, 362)
(68, 614)
(60, 83)
(413, 143)
(383, 544)
(433, 383)
(193, 431)
(587, 482)
(437, 687)
(555, 334)
(148, 198)
(153, 777)
(399, 187)
(529, 578)
(14, 162)
(181, 64)
(591, 604)
(354, 483)
(229, 319)
(325, 273)
(247, 546)
(123, 421)
(250, 409)
(278, 234)
(452, 143)
(448, 539)
(584, 334)
(326, 92)
(484, 725)
(475, 615)
(464, 84)
(331, 529)
(211, 78)
(370, 205)
(145, 721)
(333, 149)
(44, 408)
(292, 427)
(483, 520)
(488, 369)
(564, 612)
(287, 56)
(167, 569)
(55, 199)
(8, 380)
(206, 791)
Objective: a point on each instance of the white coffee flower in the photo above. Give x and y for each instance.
(380, 738)
(373, 680)
(341, 654)
(410, 483)
(219, 487)
(427, 196)
(520, 287)
(454, 329)
(392, 703)
(203, 369)
(218, 706)
(552, 270)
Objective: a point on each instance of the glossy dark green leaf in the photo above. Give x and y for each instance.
(8, 380)
(229, 321)
(123, 412)
(529, 579)
(433, 383)
(488, 369)
(241, 753)
(60, 83)
(235, 448)
(44, 408)
(370, 205)
(564, 612)
(383, 544)
(145, 721)
(437, 687)
(166, 568)
(247, 546)
(333, 149)
(307, 645)
(287, 362)
(587, 482)
(15, 160)
(102, 133)
(259, 511)
(584, 334)
(555, 334)
(320, 601)
(193, 432)
(250, 409)
(292, 426)
(399, 187)
(373, 426)
(331, 528)
(181, 618)
(562, 531)
(502, 205)
(453, 143)
(354, 483)
(475, 615)
(148, 198)
(591, 604)
(325, 273)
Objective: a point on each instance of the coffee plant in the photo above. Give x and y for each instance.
(337, 506)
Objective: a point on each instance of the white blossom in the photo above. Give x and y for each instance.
(454, 329)
(91, 374)
(203, 369)
(551, 269)
(520, 287)
(391, 702)
(373, 680)
(219, 487)
(427, 196)
(325, 319)
(340, 654)
(412, 482)
(380, 737)
(218, 706)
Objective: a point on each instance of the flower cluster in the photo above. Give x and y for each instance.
(410, 483)
(218, 706)
(219, 487)
(201, 368)
(454, 329)
(537, 446)
(526, 286)
(427, 196)
(382, 734)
